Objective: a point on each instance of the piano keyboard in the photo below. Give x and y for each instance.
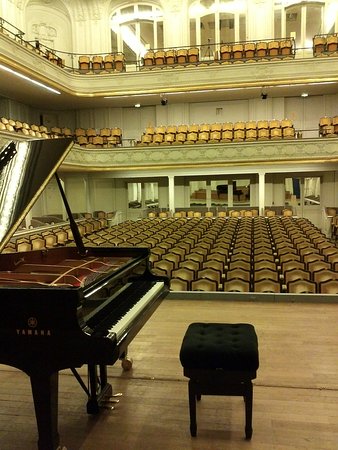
(122, 325)
(118, 311)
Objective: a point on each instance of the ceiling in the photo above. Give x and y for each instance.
(25, 92)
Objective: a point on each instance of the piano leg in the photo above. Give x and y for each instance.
(99, 389)
(45, 396)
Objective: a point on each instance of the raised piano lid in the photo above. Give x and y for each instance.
(25, 169)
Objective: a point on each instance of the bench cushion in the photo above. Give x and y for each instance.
(231, 347)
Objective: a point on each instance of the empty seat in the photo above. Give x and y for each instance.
(97, 63)
(225, 52)
(182, 55)
(84, 63)
(149, 58)
(204, 284)
(301, 287)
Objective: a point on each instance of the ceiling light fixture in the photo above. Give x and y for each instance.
(24, 77)
(304, 94)
(138, 105)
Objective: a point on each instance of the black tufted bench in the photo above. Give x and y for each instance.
(220, 359)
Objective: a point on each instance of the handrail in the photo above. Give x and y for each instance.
(208, 53)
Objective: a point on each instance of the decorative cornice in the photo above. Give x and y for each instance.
(230, 154)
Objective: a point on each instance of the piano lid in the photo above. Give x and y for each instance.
(25, 169)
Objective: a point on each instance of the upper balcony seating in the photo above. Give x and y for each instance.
(114, 62)
(328, 126)
(325, 45)
(218, 132)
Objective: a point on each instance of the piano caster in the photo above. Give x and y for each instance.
(127, 363)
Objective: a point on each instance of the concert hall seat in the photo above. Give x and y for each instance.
(249, 49)
(119, 61)
(267, 286)
(193, 55)
(84, 63)
(159, 58)
(332, 43)
(170, 57)
(237, 51)
(149, 58)
(236, 285)
(204, 284)
(178, 284)
(108, 62)
(319, 44)
(301, 287)
(273, 48)
(97, 63)
(285, 47)
(261, 49)
(182, 55)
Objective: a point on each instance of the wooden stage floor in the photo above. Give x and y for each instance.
(295, 393)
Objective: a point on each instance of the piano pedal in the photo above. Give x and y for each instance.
(110, 407)
(127, 364)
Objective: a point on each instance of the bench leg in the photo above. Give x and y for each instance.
(192, 409)
(248, 409)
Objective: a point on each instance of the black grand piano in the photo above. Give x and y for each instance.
(68, 306)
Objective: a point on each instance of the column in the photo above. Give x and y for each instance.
(261, 193)
(171, 193)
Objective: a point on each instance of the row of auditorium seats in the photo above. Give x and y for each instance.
(230, 213)
(89, 138)
(56, 233)
(328, 126)
(234, 52)
(325, 45)
(114, 62)
(248, 254)
(103, 138)
(218, 132)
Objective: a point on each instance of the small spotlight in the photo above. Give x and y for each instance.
(304, 94)
(164, 101)
(137, 105)
(264, 95)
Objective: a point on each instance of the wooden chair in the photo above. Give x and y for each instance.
(84, 63)
(108, 62)
(241, 274)
(193, 55)
(328, 287)
(149, 58)
(97, 63)
(237, 51)
(267, 286)
(225, 52)
(301, 287)
(212, 274)
(236, 285)
(319, 44)
(296, 274)
(261, 49)
(190, 264)
(285, 47)
(119, 62)
(204, 284)
(265, 273)
(273, 48)
(178, 284)
(249, 49)
(167, 266)
(332, 43)
(182, 55)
